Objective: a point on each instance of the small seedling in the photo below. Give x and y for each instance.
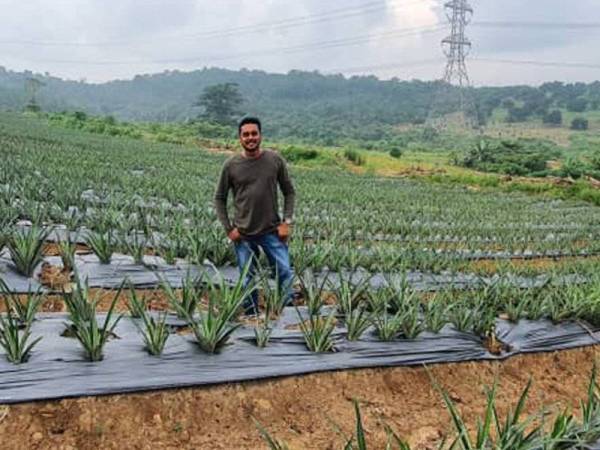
(313, 291)
(318, 332)
(102, 244)
(273, 443)
(411, 323)
(186, 304)
(435, 315)
(93, 337)
(387, 326)
(275, 296)
(26, 248)
(134, 243)
(262, 332)
(462, 317)
(154, 332)
(80, 306)
(67, 249)
(348, 294)
(357, 321)
(137, 305)
(213, 328)
(24, 312)
(15, 341)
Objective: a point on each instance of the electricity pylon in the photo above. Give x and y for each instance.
(32, 85)
(453, 100)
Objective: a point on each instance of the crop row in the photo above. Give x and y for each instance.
(395, 311)
(131, 188)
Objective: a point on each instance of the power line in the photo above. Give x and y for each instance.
(342, 13)
(321, 45)
(539, 25)
(261, 27)
(574, 65)
(393, 66)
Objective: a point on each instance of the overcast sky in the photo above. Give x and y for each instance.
(100, 40)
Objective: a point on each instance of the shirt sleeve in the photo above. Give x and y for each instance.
(221, 194)
(287, 188)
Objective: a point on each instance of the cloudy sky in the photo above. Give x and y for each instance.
(514, 41)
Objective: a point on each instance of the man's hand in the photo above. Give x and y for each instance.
(283, 231)
(234, 235)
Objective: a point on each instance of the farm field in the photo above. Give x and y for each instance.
(165, 191)
(379, 261)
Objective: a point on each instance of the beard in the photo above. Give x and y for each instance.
(252, 147)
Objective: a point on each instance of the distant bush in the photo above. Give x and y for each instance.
(169, 138)
(580, 124)
(508, 103)
(521, 157)
(395, 152)
(517, 114)
(369, 146)
(132, 133)
(595, 162)
(295, 154)
(113, 131)
(354, 157)
(574, 168)
(553, 118)
(430, 133)
(96, 128)
(213, 130)
(80, 115)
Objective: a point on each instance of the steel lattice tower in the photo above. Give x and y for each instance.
(454, 91)
(32, 85)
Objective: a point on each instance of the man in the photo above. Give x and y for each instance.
(253, 176)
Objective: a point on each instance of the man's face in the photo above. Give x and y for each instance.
(250, 137)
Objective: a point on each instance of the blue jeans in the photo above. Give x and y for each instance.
(278, 256)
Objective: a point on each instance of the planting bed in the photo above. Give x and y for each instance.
(59, 368)
(299, 409)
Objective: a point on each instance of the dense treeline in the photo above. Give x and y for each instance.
(305, 105)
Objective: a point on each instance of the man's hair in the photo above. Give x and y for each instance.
(247, 120)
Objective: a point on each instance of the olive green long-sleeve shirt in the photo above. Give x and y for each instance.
(254, 184)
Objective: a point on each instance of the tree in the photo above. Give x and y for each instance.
(553, 118)
(508, 103)
(429, 134)
(221, 103)
(518, 114)
(577, 104)
(579, 123)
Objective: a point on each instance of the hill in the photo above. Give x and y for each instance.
(305, 105)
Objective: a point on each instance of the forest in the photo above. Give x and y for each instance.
(303, 105)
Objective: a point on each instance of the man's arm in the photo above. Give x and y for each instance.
(287, 188)
(221, 194)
